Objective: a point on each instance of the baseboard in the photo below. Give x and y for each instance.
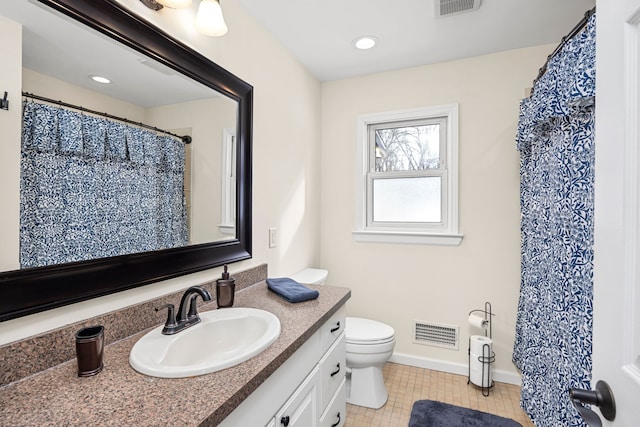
(451, 367)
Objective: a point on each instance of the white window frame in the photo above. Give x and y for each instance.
(228, 191)
(445, 233)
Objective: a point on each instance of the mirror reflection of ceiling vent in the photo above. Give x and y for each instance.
(453, 7)
(156, 66)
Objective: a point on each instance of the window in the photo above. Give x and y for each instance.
(407, 180)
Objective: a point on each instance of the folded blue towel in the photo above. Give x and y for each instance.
(291, 290)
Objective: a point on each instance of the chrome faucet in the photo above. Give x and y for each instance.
(185, 318)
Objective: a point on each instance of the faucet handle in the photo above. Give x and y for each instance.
(171, 324)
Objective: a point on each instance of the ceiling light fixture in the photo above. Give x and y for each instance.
(365, 42)
(99, 79)
(209, 19)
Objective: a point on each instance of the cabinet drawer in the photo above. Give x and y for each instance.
(332, 368)
(332, 329)
(336, 413)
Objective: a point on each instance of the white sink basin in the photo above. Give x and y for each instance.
(224, 338)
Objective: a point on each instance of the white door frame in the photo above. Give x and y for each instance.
(616, 334)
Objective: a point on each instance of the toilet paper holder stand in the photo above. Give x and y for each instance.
(488, 356)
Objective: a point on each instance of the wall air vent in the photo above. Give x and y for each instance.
(453, 7)
(437, 335)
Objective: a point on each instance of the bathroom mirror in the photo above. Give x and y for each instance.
(224, 240)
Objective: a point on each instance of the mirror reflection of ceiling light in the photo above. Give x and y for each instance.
(99, 79)
(365, 42)
(209, 19)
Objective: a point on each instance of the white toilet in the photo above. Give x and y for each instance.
(369, 345)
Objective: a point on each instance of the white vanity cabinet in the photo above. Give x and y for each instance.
(308, 390)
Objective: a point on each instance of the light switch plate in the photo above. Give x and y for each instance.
(273, 237)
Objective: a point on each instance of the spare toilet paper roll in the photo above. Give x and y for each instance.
(477, 342)
(477, 320)
(479, 358)
(480, 378)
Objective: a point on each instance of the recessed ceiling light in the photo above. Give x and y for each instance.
(365, 42)
(99, 79)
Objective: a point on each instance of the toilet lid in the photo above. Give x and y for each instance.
(367, 330)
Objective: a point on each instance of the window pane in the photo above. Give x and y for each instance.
(407, 200)
(407, 148)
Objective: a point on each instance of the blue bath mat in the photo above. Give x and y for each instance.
(429, 413)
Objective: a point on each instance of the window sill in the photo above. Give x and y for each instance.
(227, 229)
(409, 237)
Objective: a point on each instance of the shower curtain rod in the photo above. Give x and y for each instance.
(185, 138)
(565, 39)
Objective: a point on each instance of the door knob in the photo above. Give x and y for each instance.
(602, 397)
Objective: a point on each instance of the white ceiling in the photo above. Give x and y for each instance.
(320, 33)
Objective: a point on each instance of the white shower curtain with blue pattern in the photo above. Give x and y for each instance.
(92, 187)
(554, 323)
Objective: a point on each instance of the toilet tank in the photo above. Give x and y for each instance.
(311, 276)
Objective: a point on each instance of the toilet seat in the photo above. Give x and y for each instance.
(377, 342)
(368, 332)
(370, 349)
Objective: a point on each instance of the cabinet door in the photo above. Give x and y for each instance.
(302, 408)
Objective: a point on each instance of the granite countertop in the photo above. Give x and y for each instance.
(121, 396)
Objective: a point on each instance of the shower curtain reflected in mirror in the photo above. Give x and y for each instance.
(92, 188)
(555, 314)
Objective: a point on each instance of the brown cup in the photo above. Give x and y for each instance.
(89, 350)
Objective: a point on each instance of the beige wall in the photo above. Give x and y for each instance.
(286, 151)
(396, 283)
(11, 78)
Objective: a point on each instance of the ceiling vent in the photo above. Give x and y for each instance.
(454, 7)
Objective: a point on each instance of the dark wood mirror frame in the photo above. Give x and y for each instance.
(29, 291)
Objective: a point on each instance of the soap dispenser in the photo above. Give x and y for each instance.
(225, 289)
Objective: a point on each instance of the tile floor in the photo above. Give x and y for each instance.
(406, 384)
